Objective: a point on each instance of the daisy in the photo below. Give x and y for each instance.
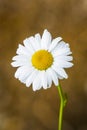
(41, 61)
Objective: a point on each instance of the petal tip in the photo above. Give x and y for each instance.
(12, 64)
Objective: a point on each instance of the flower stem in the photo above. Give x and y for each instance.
(63, 101)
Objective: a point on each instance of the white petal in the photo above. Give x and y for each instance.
(63, 63)
(49, 79)
(28, 45)
(17, 73)
(63, 51)
(60, 71)
(22, 50)
(38, 37)
(62, 44)
(37, 82)
(31, 78)
(38, 41)
(59, 77)
(33, 43)
(63, 57)
(20, 58)
(53, 76)
(19, 63)
(46, 40)
(44, 79)
(54, 43)
(23, 71)
(66, 64)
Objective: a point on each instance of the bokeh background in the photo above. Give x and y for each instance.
(20, 107)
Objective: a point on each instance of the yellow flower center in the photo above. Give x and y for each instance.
(42, 59)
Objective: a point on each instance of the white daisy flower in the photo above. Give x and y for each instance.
(42, 61)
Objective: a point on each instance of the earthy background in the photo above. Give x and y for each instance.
(20, 107)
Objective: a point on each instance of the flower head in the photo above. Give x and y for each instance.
(42, 61)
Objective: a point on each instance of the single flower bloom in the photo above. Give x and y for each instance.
(42, 61)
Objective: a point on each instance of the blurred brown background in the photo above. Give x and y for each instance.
(20, 107)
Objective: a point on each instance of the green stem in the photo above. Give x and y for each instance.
(63, 100)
